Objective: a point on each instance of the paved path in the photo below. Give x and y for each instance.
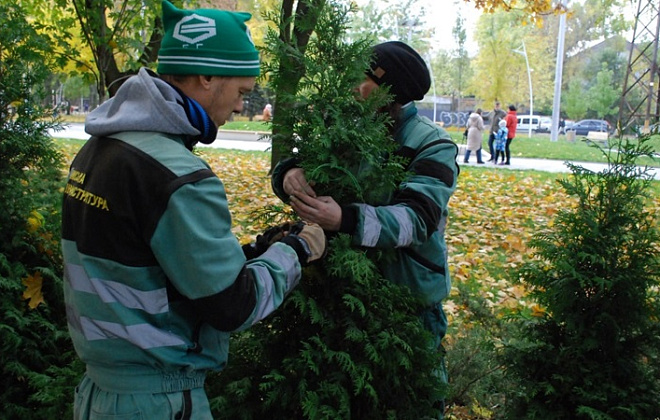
(247, 140)
(546, 165)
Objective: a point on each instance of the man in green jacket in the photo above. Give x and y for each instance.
(413, 221)
(155, 281)
(496, 115)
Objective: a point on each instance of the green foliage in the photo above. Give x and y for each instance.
(335, 134)
(602, 95)
(346, 343)
(35, 352)
(598, 99)
(594, 355)
(574, 100)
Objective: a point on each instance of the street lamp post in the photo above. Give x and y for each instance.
(559, 64)
(529, 78)
(435, 98)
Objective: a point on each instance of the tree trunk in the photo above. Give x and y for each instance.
(292, 72)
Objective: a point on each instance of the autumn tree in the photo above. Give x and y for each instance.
(103, 40)
(500, 71)
(107, 41)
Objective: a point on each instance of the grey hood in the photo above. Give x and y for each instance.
(143, 103)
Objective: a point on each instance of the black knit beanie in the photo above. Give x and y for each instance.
(398, 66)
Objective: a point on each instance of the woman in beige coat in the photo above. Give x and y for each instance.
(475, 127)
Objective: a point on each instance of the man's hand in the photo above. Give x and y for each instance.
(295, 183)
(323, 211)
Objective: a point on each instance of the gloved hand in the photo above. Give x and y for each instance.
(308, 240)
(265, 240)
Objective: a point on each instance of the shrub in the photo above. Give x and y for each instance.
(594, 353)
(35, 352)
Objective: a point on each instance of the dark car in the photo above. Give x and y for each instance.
(583, 127)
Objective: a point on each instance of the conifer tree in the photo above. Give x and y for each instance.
(347, 343)
(595, 352)
(37, 363)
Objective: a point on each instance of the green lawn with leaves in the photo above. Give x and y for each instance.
(494, 214)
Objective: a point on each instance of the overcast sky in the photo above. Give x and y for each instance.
(443, 16)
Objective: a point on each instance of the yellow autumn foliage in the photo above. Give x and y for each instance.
(32, 292)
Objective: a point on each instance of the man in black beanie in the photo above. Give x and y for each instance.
(398, 66)
(413, 222)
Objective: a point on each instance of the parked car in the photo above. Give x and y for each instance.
(545, 125)
(527, 121)
(583, 127)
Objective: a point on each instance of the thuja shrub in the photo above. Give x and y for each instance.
(594, 353)
(346, 343)
(36, 370)
(343, 346)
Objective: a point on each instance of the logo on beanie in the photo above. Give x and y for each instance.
(194, 29)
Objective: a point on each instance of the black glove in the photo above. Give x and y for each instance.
(265, 240)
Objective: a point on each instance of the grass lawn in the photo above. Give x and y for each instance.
(541, 147)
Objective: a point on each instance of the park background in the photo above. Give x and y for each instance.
(495, 213)
(501, 51)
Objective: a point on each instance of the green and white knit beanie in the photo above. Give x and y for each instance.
(206, 42)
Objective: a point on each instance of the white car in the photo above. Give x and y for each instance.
(545, 125)
(527, 121)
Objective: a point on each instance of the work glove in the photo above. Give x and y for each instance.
(308, 240)
(265, 240)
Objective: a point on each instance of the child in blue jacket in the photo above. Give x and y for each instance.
(500, 142)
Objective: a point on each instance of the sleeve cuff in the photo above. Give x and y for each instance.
(349, 218)
(299, 245)
(277, 180)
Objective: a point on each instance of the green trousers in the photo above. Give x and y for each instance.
(94, 403)
(435, 320)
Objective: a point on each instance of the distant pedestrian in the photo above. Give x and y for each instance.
(475, 136)
(267, 113)
(511, 125)
(500, 142)
(496, 115)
